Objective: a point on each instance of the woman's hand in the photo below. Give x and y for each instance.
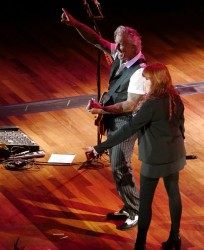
(89, 149)
(91, 153)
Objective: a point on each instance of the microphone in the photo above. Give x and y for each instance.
(89, 12)
(98, 7)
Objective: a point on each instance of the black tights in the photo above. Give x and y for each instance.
(147, 190)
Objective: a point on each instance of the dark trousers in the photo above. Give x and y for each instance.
(147, 190)
(120, 159)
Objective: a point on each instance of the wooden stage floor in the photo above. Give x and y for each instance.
(64, 207)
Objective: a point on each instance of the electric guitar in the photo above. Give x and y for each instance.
(100, 119)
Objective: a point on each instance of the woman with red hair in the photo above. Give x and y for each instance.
(160, 126)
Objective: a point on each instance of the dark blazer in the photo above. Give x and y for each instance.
(160, 141)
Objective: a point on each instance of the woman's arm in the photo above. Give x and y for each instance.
(142, 118)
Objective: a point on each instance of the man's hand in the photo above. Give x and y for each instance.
(93, 104)
(96, 111)
(94, 107)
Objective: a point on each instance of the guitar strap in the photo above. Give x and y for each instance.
(126, 72)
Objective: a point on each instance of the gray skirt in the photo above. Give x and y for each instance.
(163, 170)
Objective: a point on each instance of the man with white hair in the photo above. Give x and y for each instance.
(123, 95)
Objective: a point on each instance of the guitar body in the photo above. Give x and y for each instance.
(100, 120)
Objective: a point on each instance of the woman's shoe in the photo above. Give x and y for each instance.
(174, 242)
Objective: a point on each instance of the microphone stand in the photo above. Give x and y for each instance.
(94, 18)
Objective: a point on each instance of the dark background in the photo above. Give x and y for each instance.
(154, 16)
(13, 10)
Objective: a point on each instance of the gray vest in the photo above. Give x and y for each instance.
(118, 84)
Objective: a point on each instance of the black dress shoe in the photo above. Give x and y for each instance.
(120, 215)
(129, 223)
(172, 242)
